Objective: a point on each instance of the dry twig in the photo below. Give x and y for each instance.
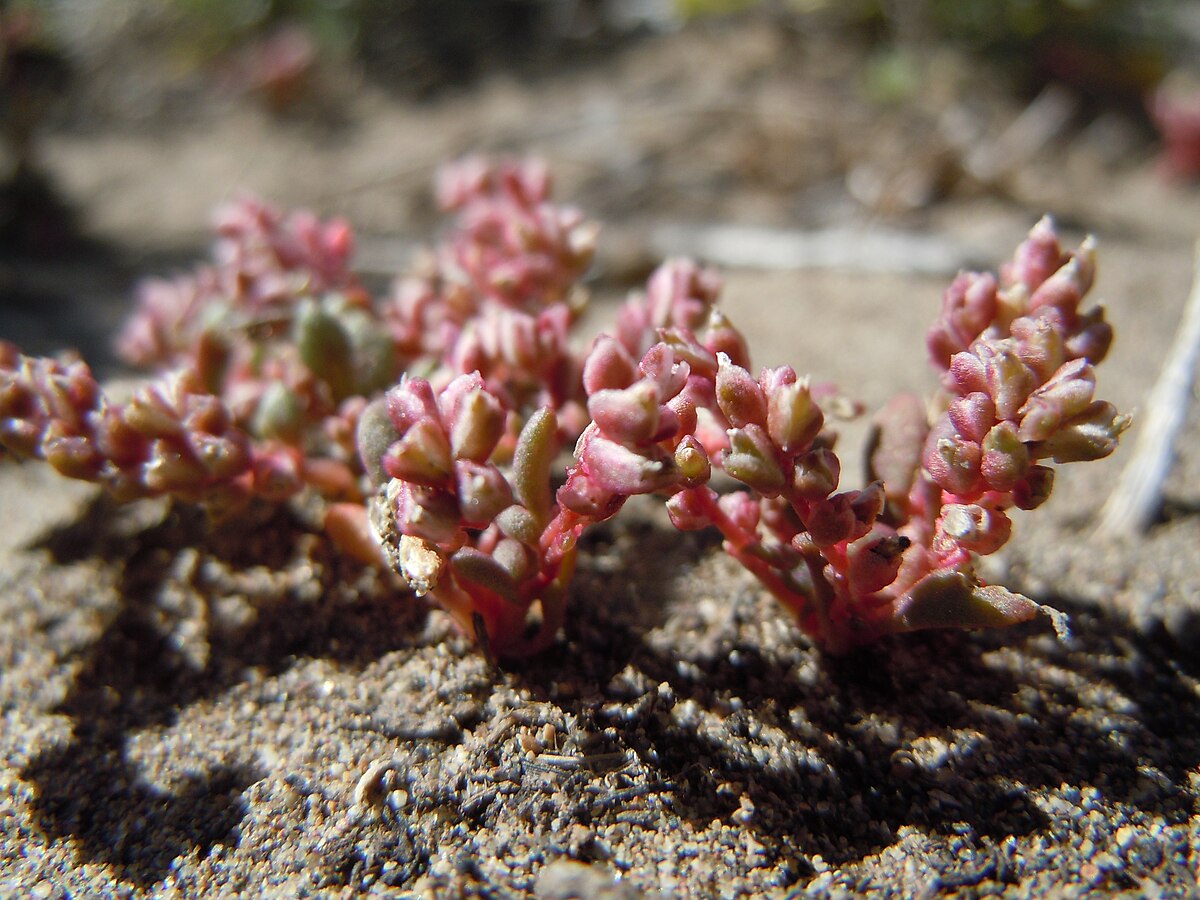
(1137, 499)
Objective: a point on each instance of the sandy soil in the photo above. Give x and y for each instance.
(199, 712)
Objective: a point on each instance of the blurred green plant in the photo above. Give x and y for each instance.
(214, 27)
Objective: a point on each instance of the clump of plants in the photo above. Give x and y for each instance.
(429, 421)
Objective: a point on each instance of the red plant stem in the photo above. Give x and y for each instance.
(747, 549)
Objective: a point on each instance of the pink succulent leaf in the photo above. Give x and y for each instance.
(482, 490)
(968, 307)
(608, 366)
(873, 561)
(661, 366)
(410, 402)
(972, 415)
(1091, 435)
(816, 474)
(753, 460)
(739, 395)
(689, 509)
(1037, 258)
(952, 599)
(422, 455)
(1006, 459)
(1040, 344)
(532, 459)
(793, 417)
(679, 295)
(1067, 394)
(952, 461)
(720, 336)
(629, 415)
(692, 461)
(974, 528)
(477, 424)
(624, 470)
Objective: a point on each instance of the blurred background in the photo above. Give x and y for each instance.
(761, 134)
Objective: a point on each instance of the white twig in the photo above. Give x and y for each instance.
(859, 250)
(1137, 499)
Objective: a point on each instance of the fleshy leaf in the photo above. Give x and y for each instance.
(532, 459)
(956, 600)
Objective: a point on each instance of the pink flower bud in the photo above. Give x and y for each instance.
(1062, 291)
(450, 398)
(680, 294)
(685, 414)
(223, 457)
(75, 456)
(1009, 380)
(1005, 458)
(117, 440)
(771, 378)
(966, 374)
(1039, 345)
(167, 469)
(739, 396)
(793, 418)
(276, 475)
(867, 504)
(151, 414)
(751, 459)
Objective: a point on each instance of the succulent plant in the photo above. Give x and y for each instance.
(428, 421)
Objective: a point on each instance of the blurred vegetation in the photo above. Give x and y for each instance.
(212, 27)
(412, 46)
(1111, 51)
